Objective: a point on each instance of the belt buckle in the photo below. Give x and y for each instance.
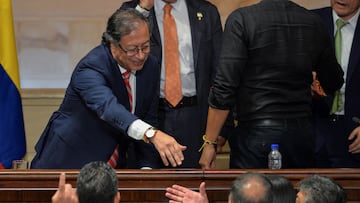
(335, 117)
(180, 104)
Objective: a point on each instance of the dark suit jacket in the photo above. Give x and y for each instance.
(94, 115)
(352, 89)
(206, 36)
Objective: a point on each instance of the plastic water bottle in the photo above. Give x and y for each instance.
(274, 157)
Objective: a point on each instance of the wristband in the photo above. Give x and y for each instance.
(206, 141)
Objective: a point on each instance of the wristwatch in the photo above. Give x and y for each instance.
(149, 133)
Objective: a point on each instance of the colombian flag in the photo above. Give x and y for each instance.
(12, 132)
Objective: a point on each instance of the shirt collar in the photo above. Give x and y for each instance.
(159, 5)
(123, 70)
(352, 21)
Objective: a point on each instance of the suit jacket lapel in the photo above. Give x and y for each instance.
(194, 10)
(155, 37)
(120, 89)
(117, 82)
(139, 86)
(354, 60)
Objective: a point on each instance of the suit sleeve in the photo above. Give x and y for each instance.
(97, 94)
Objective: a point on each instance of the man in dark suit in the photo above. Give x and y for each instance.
(101, 112)
(337, 135)
(268, 53)
(199, 34)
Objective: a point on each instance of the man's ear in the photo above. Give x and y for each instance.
(117, 197)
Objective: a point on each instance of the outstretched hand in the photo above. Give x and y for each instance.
(354, 147)
(65, 192)
(168, 148)
(208, 157)
(178, 193)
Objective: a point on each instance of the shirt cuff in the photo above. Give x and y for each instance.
(137, 129)
(143, 11)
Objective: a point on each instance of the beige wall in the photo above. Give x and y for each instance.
(38, 106)
(53, 35)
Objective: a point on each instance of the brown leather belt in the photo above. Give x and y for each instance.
(185, 102)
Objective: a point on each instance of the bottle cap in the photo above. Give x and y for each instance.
(274, 146)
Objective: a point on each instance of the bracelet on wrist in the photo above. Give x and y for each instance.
(206, 141)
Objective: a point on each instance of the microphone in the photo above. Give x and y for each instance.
(356, 120)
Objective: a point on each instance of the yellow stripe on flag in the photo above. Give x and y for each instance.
(8, 54)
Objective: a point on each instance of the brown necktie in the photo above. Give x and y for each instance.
(173, 93)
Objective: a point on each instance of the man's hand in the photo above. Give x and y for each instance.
(316, 89)
(215, 121)
(208, 157)
(146, 4)
(354, 147)
(65, 192)
(178, 193)
(168, 148)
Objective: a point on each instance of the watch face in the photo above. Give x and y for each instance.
(150, 133)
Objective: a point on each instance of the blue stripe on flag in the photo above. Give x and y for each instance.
(12, 132)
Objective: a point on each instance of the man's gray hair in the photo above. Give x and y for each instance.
(122, 23)
(321, 189)
(97, 182)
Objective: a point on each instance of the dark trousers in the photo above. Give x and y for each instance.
(332, 142)
(186, 125)
(250, 144)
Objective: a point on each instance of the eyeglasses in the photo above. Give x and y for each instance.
(145, 49)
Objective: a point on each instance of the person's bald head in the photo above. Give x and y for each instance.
(251, 188)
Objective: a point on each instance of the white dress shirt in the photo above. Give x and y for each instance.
(187, 70)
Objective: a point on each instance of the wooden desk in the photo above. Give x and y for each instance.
(149, 185)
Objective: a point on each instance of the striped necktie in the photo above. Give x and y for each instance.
(113, 161)
(126, 77)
